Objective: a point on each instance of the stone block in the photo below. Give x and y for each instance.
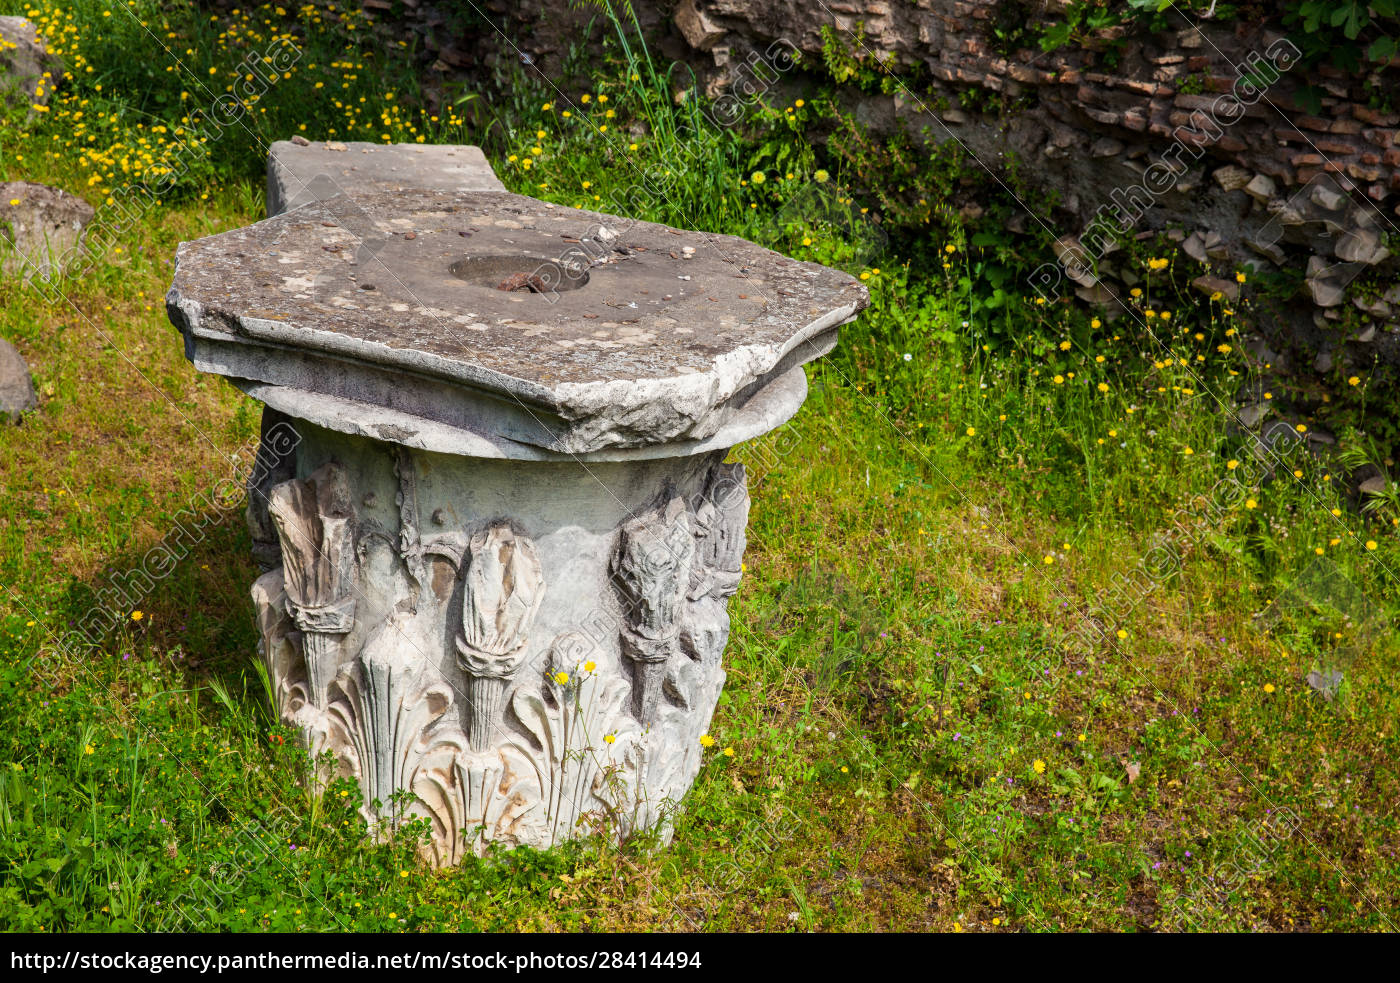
(300, 171)
(699, 30)
(28, 73)
(16, 387)
(38, 224)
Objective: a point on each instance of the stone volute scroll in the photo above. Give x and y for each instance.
(507, 534)
(652, 572)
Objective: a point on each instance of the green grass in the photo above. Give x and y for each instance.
(925, 735)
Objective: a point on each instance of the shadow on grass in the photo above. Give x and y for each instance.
(184, 601)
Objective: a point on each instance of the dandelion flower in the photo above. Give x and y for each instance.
(706, 740)
(1268, 687)
(562, 678)
(758, 177)
(1039, 766)
(137, 615)
(972, 431)
(1370, 544)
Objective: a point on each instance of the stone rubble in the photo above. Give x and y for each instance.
(28, 73)
(16, 387)
(38, 224)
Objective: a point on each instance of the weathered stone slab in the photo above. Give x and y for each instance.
(38, 224)
(28, 72)
(382, 314)
(16, 387)
(299, 172)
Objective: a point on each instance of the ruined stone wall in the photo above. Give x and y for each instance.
(1247, 175)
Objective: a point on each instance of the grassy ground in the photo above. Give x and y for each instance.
(1004, 657)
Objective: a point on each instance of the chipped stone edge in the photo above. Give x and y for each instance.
(690, 406)
(774, 404)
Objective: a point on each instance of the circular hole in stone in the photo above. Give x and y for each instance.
(519, 274)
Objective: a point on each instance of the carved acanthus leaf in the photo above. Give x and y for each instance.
(314, 520)
(505, 586)
(720, 523)
(652, 568)
(282, 657)
(474, 799)
(392, 700)
(571, 755)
